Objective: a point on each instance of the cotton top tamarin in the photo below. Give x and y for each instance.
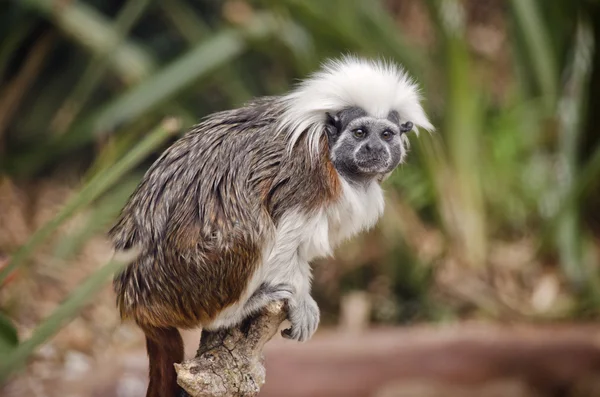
(230, 216)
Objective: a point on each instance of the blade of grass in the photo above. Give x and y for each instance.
(98, 66)
(16, 90)
(359, 25)
(92, 190)
(11, 43)
(9, 339)
(184, 19)
(91, 30)
(75, 302)
(384, 29)
(212, 54)
(571, 113)
(88, 28)
(193, 29)
(587, 178)
(542, 58)
(117, 145)
(461, 200)
(100, 216)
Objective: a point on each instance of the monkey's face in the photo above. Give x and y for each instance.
(366, 147)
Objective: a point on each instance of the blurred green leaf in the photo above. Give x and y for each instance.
(210, 55)
(460, 182)
(11, 43)
(194, 30)
(571, 114)
(89, 28)
(92, 190)
(99, 217)
(505, 167)
(361, 26)
(98, 64)
(9, 338)
(205, 58)
(541, 57)
(16, 358)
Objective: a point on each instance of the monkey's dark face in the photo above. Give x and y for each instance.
(364, 147)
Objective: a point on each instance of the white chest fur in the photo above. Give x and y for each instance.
(358, 209)
(301, 237)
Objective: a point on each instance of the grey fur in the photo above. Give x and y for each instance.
(203, 212)
(207, 206)
(362, 158)
(231, 215)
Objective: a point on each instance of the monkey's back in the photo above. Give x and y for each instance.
(203, 211)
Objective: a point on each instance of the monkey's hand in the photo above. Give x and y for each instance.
(266, 294)
(304, 315)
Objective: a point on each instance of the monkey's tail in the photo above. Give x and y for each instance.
(165, 347)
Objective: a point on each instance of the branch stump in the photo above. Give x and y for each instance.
(230, 362)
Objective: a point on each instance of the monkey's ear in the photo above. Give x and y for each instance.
(406, 127)
(332, 125)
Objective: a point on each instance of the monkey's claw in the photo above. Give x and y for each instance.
(304, 315)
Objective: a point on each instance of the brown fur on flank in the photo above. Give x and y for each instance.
(200, 217)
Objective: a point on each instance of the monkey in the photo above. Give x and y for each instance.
(229, 217)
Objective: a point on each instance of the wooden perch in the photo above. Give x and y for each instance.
(230, 362)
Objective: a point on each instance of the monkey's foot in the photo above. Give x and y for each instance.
(229, 362)
(268, 293)
(304, 315)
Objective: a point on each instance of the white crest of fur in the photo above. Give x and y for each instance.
(376, 86)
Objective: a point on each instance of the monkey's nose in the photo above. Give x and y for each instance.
(373, 148)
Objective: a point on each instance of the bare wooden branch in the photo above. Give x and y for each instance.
(230, 363)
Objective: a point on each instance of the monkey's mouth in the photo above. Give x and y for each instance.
(373, 165)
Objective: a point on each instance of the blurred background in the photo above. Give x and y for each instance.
(482, 277)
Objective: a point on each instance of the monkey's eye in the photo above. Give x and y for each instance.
(359, 133)
(386, 135)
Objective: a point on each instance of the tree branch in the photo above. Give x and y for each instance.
(230, 362)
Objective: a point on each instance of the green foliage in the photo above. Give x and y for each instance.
(17, 356)
(92, 190)
(8, 335)
(497, 167)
